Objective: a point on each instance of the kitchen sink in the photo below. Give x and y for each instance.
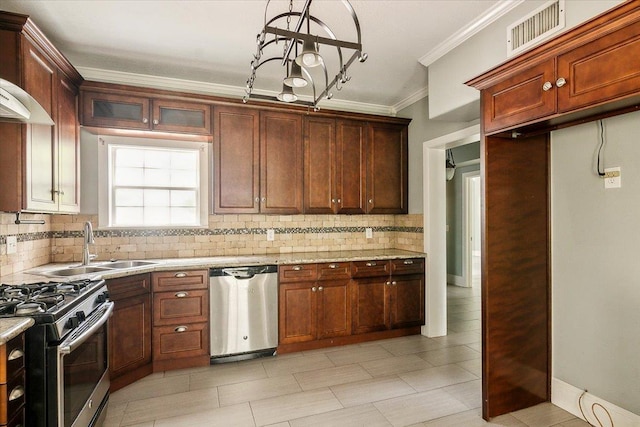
(74, 271)
(126, 264)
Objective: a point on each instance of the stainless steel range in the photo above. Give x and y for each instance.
(67, 372)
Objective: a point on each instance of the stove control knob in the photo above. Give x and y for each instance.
(102, 298)
(81, 316)
(73, 322)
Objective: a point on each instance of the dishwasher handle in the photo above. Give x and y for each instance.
(244, 272)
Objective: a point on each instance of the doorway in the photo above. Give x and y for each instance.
(471, 215)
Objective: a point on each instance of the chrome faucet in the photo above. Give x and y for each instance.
(87, 240)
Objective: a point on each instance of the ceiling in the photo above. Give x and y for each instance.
(212, 41)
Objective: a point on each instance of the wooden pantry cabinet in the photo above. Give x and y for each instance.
(348, 302)
(180, 319)
(126, 111)
(257, 161)
(41, 161)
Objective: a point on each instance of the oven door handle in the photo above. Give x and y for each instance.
(89, 326)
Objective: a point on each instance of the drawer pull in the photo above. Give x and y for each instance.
(181, 329)
(16, 353)
(371, 264)
(334, 266)
(16, 393)
(408, 262)
(180, 275)
(297, 268)
(182, 294)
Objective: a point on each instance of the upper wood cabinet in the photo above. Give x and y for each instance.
(355, 166)
(387, 169)
(257, 161)
(588, 71)
(40, 163)
(105, 109)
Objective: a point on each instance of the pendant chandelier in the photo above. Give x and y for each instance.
(287, 38)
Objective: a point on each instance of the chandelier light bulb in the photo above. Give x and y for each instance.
(309, 56)
(287, 94)
(295, 79)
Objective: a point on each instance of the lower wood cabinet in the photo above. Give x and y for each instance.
(180, 319)
(12, 382)
(129, 329)
(341, 303)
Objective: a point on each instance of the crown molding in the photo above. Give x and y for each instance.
(215, 89)
(465, 33)
(411, 99)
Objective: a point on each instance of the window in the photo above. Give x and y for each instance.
(152, 183)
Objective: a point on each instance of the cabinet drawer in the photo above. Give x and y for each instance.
(407, 266)
(334, 270)
(180, 280)
(176, 341)
(370, 268)
(12, 397)
(297, 273)
(12, 355)
(126, 287)
(180, 307)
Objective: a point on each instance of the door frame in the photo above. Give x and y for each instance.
(467, 219)
(435, 238)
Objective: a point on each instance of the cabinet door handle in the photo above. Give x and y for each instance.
(547, 86)
(561, 82)
(387, 283)
(394, 283)
(182, 294)
(408, 262)
(180, 275)
(145, 120)
(339, 200)
(16, 353)
(371, 264)
(334, 266)
(333, 200)
(181, 329)
(16, 393)
(313, 289)
(156, 122)
(320, 288)
(264, 199)
(257, 199)
(297, 268)
(370, 200)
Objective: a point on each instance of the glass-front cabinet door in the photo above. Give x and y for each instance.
(116, 111)
(179, 116)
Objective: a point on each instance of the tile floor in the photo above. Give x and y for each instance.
(408, 381)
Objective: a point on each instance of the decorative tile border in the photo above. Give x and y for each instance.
(24, 237)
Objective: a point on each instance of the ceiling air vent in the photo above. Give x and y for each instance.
(535, 27)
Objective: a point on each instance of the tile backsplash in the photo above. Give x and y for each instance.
(60, 238)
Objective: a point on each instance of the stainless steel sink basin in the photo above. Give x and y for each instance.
(75, 271)
(126, 264)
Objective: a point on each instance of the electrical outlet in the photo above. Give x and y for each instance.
(612, 178)
(12, 245)
(368, 232)
(271, 235)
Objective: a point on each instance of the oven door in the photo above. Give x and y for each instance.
(83, 371)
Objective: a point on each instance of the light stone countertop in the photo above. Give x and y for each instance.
(13, 326)
(38, 274)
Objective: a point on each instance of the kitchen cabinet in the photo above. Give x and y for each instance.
(355, 167)
(12, 382)
(122, 111)
(313, 302)
(129, 329)
(571, 76)
(257, 161)
(387, 294)
(589, 72)
(180, 319)
(40, 162)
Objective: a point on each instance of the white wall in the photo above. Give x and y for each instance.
(449, 98)
(596, 262)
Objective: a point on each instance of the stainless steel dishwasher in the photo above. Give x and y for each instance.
(243, 313)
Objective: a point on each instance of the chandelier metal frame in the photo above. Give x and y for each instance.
(271, 35)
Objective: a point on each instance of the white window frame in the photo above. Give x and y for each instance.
(105, 168)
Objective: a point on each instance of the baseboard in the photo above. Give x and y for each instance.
(456, 280)
(566, 397)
